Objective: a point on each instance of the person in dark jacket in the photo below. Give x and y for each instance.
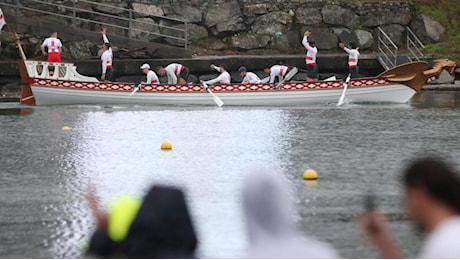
(161, 228)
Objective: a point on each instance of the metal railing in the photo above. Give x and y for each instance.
(387, 49)
(128, 24)
(414, 45)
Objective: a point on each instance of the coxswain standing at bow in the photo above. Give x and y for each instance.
(310, 59)
(223, 78)
(175, 71)
(353, 55)
(106, 58)
(54, 46)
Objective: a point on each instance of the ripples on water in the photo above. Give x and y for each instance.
(355, 149)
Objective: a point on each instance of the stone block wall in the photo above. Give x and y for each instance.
(274, 26)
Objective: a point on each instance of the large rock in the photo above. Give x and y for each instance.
(223, 18)
(214, 44)
(189, 14)
(324, 38)
(115, 10)
(339, 16)
(144, 10)
(395, 32)
(375, 19)
(257, 9)
(365, 39)
(308, 16)
(46, 7)
(345, 35)
(427, 29)
(249, 41)
(287, 43)
(273, 22)
(81, 50)
(111, 30)
(195, 33)
(142, 28)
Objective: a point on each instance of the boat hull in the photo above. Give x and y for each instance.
(394, 93)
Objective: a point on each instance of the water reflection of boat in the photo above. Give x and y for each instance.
(15, 111)
(66, 86)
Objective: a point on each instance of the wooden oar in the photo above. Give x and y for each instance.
(217, 100)
(345, 85)
(136, 89)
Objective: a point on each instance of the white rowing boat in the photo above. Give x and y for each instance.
(63, 85)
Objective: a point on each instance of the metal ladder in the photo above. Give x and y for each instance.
(388, 51)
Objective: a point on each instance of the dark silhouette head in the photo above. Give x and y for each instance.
(437, 178)
(353, 45)
(162, 228)
(106, 45)
(223, 66)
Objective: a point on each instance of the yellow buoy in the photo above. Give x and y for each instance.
(65, 128)
(310, 174)
(166, 146)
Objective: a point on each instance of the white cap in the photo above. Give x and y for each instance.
(145, 66)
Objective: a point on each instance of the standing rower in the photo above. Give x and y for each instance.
(175, 71)
(353, 55)
(310, 59)
(54, 46)
(106, 58)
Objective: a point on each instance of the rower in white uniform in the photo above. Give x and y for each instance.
(248, 77)
(106, 59)
(177, 73)
(223, 78)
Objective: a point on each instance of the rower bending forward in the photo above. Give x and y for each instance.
(175, 71)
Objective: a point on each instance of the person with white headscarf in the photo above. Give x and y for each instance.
(269, 213)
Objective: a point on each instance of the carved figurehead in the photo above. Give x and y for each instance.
(416, 74)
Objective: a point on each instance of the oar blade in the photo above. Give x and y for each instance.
(218, 101)
(135, 90)
(345, 85)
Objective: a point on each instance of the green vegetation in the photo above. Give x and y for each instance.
(447, 13)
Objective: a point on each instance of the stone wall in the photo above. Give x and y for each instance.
(275, 26)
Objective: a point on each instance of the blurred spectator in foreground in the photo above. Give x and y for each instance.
(432, 199)
(269, 214)
(160, 227)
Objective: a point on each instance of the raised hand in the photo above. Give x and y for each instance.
(99, 215)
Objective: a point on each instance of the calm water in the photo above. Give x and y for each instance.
(44, 170)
